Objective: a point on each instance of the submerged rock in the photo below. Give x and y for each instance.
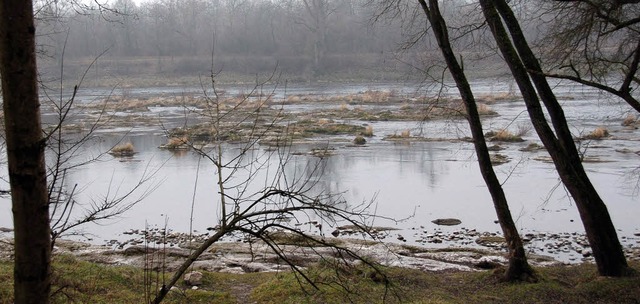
(499, 159)
(495, 148)
(532, 147)
(359, 140)
(491, 241)
(447, 222)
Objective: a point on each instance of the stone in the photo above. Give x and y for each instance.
(447, 222)
(359, 140)
(193, 278)
(490, 241)
(531, 148)
(486, 264)
(254, 267)
(498, 159)
(495, 148)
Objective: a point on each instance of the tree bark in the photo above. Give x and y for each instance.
(25, 153)
(595, 217)
(518, 268)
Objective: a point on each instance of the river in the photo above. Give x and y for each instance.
(412, 183)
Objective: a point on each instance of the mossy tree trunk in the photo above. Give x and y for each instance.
(525, 68)
(25, 152)
(518, 268)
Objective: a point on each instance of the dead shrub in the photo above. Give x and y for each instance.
(294, 99)
(368, 131)
(124, 149)
(177, 142)
(484, 109)
(630, 120)
(598, 133)
(504, 135)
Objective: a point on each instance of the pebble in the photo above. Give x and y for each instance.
(566, 246)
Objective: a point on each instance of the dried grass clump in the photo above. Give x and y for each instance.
(123, 149)
(344, 107)
(598, 133)
(368, 131)
(484, 109)
(366, 97)
(502, 96)
(504, 135)
(177, 143)
(324, 121)
(630, 120)
(370, 96)
(524, 129)
(294, 99)
(348, 98)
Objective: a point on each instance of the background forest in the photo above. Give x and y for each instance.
(305, 39)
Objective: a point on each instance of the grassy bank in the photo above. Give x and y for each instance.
(83, 282)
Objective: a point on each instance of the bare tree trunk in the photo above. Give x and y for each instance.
(25, 152)
(600, 231)
(518, 268)
(318, 11)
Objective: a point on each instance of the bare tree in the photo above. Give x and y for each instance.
(594, 43)
(259, 195)
(66, 152)
(27, 144)
(533, 85)
(25, 151)
(318, 24)
(518, 268)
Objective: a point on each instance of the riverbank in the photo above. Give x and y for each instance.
(234, 273)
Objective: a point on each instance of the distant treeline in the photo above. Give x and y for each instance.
(306, 38)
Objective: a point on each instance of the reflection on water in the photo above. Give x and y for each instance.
(414, 183)
(417, 182)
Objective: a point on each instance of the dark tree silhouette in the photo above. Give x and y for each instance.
(25, 153)
(518, 268)
(527, 72)
(594, 43)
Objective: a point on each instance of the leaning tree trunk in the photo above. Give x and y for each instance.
(25, 152)
(518, 268)
(600, 231)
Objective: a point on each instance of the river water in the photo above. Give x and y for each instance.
(412, 183)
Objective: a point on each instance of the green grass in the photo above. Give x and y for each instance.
(84, 282)
(574, 284)
(76, 281)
